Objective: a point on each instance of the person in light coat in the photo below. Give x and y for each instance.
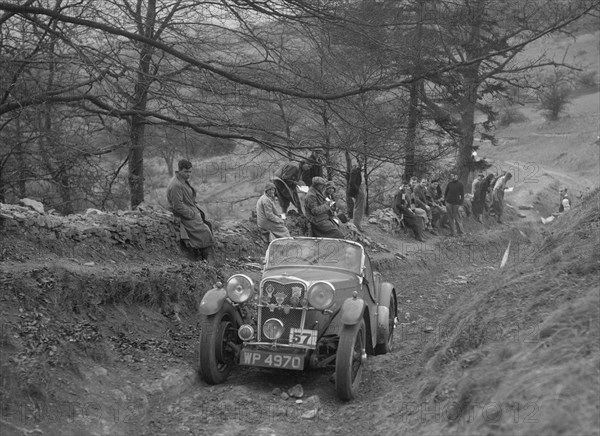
(268, 218)
(195, 231)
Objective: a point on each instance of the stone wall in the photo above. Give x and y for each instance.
(138, 227)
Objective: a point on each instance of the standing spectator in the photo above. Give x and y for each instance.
(475, 184)
(498, 196)
(195, 231)
(286, 180)
(319, 213)
(312, 167)
(480, 197)
(356, 191)
(454, 196)
(270, 224)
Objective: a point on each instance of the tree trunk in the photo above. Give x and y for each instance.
(411, 131)
(137, 126)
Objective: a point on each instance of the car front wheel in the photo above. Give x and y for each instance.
(386, 347)
(349, 360)
(217, 355)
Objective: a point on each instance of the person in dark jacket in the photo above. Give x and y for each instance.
(404, 212)
(319, 213)
(480, 197)
(286, 180)
(312, 167)
(454, 195)
(356, 192)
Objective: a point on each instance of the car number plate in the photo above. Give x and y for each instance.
(267, 359)
(303, 337)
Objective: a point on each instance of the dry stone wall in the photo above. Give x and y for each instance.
(139, 227)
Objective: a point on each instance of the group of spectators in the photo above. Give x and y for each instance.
(425, 206)
(319, 206)
(421, 206)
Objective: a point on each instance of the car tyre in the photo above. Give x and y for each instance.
(349, 360)
(217, 357)
(386, 347)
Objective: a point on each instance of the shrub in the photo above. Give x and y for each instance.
(554, 95)
(588, 79)
(510, 115)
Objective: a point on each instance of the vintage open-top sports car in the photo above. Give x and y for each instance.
(319, 303)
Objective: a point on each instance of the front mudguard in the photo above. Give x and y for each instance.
(383, 312)
(352, 311)
(212, 301)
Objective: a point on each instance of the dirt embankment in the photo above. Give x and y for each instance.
(101, 338)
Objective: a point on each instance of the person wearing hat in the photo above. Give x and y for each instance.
(269, 222)
(318, 210)
(312, 167)
(286, 181)
(195, 231)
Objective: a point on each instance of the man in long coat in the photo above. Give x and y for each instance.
(270, 223)
(195, 230)
(319, 213)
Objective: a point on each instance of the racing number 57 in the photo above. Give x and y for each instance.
(303, 337)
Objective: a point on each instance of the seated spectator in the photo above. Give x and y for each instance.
(194, 229)
(319, 212)
(270, 223)
(414, 204)
(439, 214)
(563, 206)
(405, 213)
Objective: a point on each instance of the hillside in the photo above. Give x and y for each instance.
(100, 325)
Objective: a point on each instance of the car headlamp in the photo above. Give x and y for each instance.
(320, 295)
(273, 329)
(239, 288)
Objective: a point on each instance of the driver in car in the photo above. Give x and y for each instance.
(351, 259)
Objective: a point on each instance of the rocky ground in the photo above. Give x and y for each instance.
(102, 338)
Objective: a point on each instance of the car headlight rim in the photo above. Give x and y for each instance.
(321, 294)
(273, 329)
(239, 288)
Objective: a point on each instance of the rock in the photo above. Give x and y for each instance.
(276, 391)
(33, 204)
(296, 391)
(89, 264)
(521, 215)
(313, 402)
(309, 414)
(428, 329)
(284, 396)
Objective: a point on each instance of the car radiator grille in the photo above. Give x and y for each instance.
(281, 301)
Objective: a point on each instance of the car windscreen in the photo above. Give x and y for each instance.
(339, 254)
